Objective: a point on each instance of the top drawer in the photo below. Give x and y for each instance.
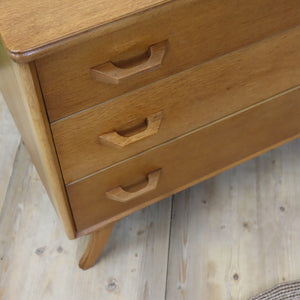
(196, 31)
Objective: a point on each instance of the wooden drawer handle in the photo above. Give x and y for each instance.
(116, 140)
(120, 195)
(110, 73)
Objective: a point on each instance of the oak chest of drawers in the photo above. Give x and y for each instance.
(122, 104)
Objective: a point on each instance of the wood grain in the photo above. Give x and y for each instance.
(38, 262)
(121, 195)
(19, 86)
(25, 28)
(114, 74)
(250, 213)
(198, 155)
(97, 242)
(197, 31)
(189, 100)
(237, 234)
(9, 144)
(118, 140)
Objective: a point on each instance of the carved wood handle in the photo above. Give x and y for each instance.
(116, 140)
(120, 195)
(110, 73)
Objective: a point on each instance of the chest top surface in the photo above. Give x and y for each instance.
(27, 25)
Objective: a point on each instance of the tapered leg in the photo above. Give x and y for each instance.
(98, 240)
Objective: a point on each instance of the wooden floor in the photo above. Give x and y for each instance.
(230, 237)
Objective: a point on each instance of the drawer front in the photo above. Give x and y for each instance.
(196, 32)
(118, 191)
(98, 137)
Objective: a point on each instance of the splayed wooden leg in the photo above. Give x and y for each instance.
(98, 240)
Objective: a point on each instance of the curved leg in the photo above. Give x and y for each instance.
(98, 240)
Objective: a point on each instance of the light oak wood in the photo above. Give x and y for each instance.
(244, 221)
(121, 195)
(27, 28)
(197, 31)
(117, 140)
(97, 242)
(20, 89)
(111, 73)
(189, 100)
(36, 253)
(76, 76)
(187, 160)
(237, 234)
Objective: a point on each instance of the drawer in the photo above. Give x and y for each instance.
(196, 31)
(117, 191)
(176, 105)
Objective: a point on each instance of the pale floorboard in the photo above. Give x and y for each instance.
(9, 142)
(238, 233)
(39, 262)
(232, 236)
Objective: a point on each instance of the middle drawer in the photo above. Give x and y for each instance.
(115, 130)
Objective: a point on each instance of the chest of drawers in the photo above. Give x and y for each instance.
(122, 104)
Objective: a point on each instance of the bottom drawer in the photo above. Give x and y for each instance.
(97, 200)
